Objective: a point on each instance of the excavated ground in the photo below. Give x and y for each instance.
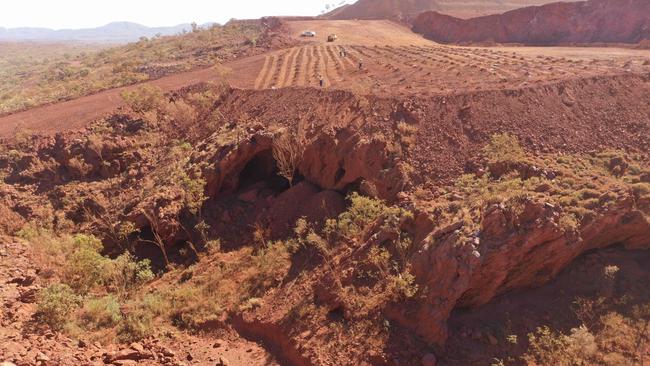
(395, 63)
(381, 131)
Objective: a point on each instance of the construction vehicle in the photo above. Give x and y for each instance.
(332, 38)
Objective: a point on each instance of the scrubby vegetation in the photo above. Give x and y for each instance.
(193, 243)
(614, 331)
(87, 288)
(580, 185)
(32, 75)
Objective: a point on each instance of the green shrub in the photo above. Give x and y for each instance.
(547, 347)
(194, 192)
(403, 286)
(503, 147)
(272, 263)
(125, 273)
(85, 267)
(83, 241)
(135, 326)
(100, 313)
(55, 304)
(153, 304)
(29, 232)
(144, 99)
(191, 306)
(362, 211)
(569, 222)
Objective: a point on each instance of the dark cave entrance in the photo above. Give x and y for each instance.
(145, 248)
(262, 168)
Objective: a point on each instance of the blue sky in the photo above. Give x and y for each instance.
(59, 14)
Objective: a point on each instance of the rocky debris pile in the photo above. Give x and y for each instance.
(24, 343)
(21, 342)
(138, 353)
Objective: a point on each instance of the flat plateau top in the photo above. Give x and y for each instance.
(357, 32)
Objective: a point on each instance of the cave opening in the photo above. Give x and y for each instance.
(146, 248)
(262, 170)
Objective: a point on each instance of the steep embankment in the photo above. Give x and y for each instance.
(609, 21)
(572, 116)
(409, 9)
(382, 9)
(467, 214)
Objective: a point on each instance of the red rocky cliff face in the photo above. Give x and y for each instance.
(608, 21)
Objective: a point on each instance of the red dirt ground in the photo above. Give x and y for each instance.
(452, 100)
(20, 339)
(78, 112)
(403, 65)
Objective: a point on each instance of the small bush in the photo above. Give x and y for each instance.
(100, 313)
(83, 241)
(403, 286)
(183, 114)
(55, 304)
(272, 263)
(569, 222)
(135, 326)
(126, 273)
(190, 307)
(153, 304)
(194, 189)
(362, 211)
(85, 267)
(503, 147)
(213, 246)
(547, 347)
(144, 99)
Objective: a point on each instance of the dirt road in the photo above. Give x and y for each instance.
(394, 62)
(78, 112)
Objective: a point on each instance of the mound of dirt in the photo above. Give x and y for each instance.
(606, 21)
(383, 9)
(345, 229)
(408, 9)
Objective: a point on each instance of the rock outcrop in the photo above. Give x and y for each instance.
(593, 21)
(511, 251)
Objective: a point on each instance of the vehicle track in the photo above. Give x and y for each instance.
(399, 66)
(271, 72)
(283, 68)
(311, 64)
(261, 76)
(324, 65)
(291, 71)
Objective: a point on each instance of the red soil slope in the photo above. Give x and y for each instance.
(383, 9)
(409, 9)
(612, 21)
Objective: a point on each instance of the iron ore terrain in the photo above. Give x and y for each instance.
(418, 191)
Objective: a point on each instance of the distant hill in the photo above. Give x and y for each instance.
(409, 9)
(116, 32)
(601, 21)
